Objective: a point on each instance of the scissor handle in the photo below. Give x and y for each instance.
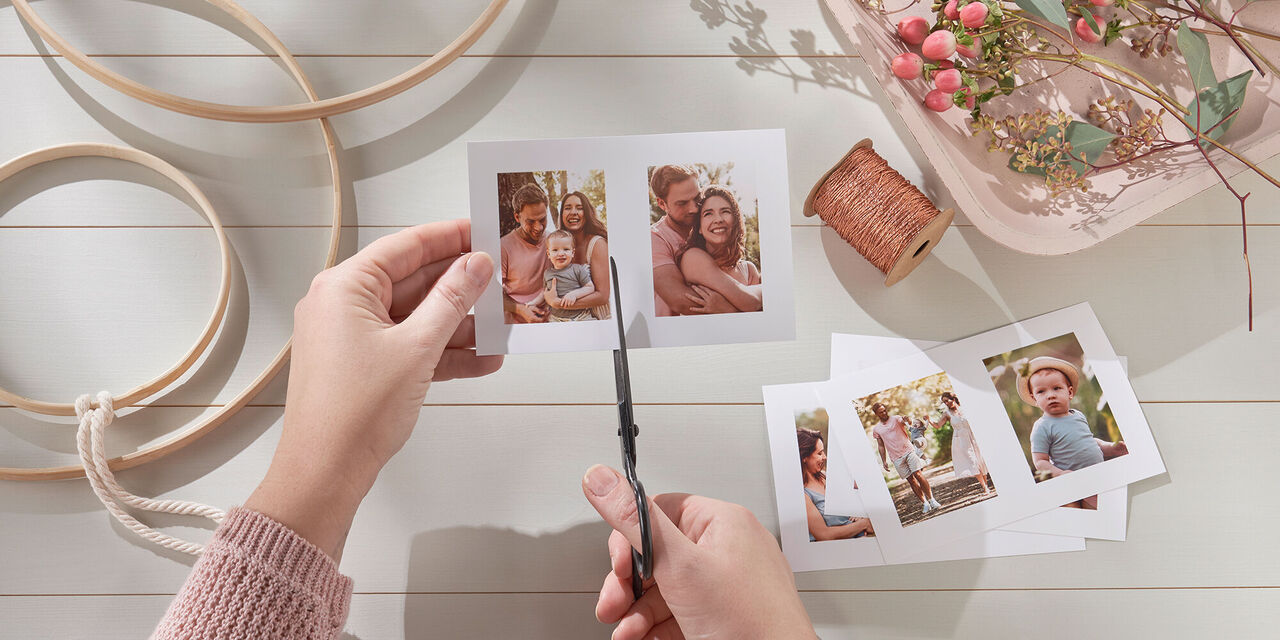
(641, 561)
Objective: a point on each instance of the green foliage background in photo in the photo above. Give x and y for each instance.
(555, 184)
(1089, 399)
(912, 400)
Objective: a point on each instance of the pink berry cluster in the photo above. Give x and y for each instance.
(939, 45)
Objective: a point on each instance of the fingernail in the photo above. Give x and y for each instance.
(601, 480)
(479, 267)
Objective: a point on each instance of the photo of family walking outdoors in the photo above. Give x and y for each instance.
(811, 434)
(1057, 408)
(554, 245)
(705, 238)
(931, 460)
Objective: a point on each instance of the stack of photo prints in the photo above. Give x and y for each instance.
(1016, 441)
(699, 225)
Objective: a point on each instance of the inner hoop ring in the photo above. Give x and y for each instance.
(316, 108)
(142, 158)
(193, 432)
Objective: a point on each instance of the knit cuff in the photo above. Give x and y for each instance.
(274, 547)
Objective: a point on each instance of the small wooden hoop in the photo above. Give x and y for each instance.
(280, 113)
(142, 158)
(194, 432)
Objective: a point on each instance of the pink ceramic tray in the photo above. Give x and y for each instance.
(1016, 209)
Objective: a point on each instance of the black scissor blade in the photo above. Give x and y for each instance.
(621, 373)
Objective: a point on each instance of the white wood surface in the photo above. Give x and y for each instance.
(519, 552)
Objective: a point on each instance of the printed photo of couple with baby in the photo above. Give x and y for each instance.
(555, 249)
(705, 236)
(925, 444)
(1057, 408)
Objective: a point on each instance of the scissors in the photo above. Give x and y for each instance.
(641, 561)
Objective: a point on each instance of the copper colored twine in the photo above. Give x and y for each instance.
(873, 207)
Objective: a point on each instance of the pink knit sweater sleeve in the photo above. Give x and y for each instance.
(258, 579)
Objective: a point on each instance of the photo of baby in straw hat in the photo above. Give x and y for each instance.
(1057, 408)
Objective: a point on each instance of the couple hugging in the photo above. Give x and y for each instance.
(562, 276)
(699, 263)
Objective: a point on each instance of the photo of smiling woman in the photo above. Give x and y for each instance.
(554, 248)
(578, 217)
(715, 258)
(811, 426)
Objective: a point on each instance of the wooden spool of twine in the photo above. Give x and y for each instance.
(877, 211)
(316, 108)
(194, 431)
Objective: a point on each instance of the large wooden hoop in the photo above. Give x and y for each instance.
(280, 113)
(194, 432)
(91, 149)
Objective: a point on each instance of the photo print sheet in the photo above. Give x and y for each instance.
(852, 353)
(698, 223)
(1043, 412)
(815, 538)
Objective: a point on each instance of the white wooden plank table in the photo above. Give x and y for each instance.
(478, 528)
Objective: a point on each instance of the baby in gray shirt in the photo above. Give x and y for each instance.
(565, 282)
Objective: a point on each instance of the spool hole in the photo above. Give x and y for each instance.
(921, 249)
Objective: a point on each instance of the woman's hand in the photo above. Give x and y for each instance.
(717, 572)
(370, 336)
(706, 300)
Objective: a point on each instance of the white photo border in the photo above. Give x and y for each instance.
(780, 403)
(625, 161)
(851, 353)
(1019, 496)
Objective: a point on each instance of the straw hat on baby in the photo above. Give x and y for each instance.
(1045, 362)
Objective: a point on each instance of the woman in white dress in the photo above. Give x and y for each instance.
(965, 455)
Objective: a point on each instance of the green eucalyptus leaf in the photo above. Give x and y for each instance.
(1051, 10)
(1211, 108)
(1006, 84)
(1087, 142)
(1195, 51)
(1093, 24)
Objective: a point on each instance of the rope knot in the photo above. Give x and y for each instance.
(90, 442)
(83, 405)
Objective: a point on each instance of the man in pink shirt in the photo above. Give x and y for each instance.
(524, 258)
(891, 434)
(675, 187)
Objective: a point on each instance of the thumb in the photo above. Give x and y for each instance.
(448, 301)
(613, 499)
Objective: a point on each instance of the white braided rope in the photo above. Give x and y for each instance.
(93, 456)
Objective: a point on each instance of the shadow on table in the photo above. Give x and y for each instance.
(484, 582)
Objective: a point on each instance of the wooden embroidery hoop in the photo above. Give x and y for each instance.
(90, 149)
(281, 113)
(195, 431)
